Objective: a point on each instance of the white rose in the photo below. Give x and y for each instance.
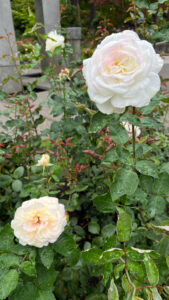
(54, 40)
(128, 127)
(44, 161)
(39, 222)
(123, 71)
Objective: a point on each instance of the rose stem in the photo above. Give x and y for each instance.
(134, 142)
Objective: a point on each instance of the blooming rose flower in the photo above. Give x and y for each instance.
(123, 71)
(39, 222)
(54, 40)
(128, 127)
(44, 161)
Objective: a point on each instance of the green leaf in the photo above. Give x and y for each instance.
(132, 119)
(113, 291)
(47, 256)
(148, 122)
(94, 228)
(25, 291)
(164, 168)
(8, 260)
(147, 168)
(8, 282)
(6, 238)
(163, 246)
(118, 134)
(65, 245)
(46, 278)
(156, 206)
(57, 109)
(28, 268)
(108, 230)
(125, 284)
(110, 255)
(92, 255)
(110, 157)
(155, 293)
(5, 180)
(29, 291)
(124, 226)
(137, 269)
(142, 3)
(126, 182)
(17, 185)
(18, 173)
(134, 255)
(99, 121)
(110, 243)
(104, 203)
(151, 269)
(123, 154)
(118, 268)
(137, 254)
(107, 271)
(45, 295)
(161, 184)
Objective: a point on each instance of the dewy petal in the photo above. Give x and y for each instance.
(126, 34)
(107, 108)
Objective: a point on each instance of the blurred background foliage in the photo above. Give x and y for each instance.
(101, 17)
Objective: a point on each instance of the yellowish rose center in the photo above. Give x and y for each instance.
(120, 64)
(37, 219)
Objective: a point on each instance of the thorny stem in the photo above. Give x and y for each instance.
(134, 142)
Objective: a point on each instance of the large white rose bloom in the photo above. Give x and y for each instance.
(54, 40)
(39, 222)
(123, 71)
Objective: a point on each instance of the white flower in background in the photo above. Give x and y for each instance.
(54, 40)
(128, 127)
(123, 71)
(39, 222)
(44, 161)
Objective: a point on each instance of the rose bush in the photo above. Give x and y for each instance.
(54, 40)
(39, 222)
(115, 245)
(123, 71)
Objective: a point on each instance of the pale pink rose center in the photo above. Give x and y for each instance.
(36, 221)
(119, 62)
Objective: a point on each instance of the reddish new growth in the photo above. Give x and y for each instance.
(71, 171)
(106, 144)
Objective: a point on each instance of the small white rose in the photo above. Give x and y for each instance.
(128, 127)
(44, 161)
(54, 40)
(123, 71)
(39, 222)
(64, 74)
